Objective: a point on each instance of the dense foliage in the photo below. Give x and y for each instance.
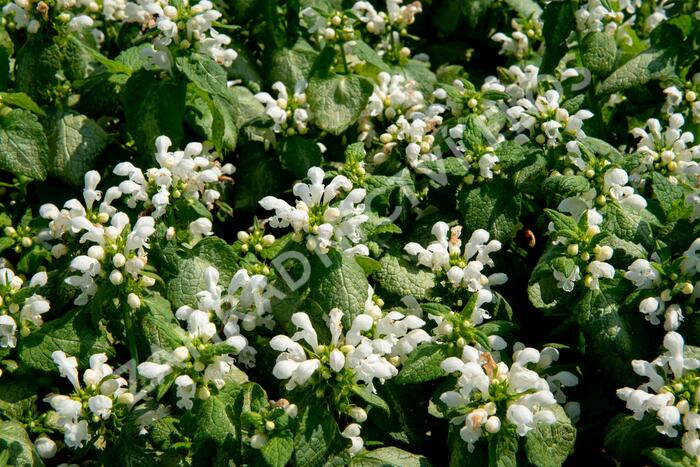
(325, 232)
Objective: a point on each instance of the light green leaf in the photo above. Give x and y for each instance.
(337, 100)
(21, 100)
(111, 65)
(341, 284)
(278, 450)
(290, 65)
(671, 197)
(525, 8)
(671, 457)
(389, 456)
(550, 445)
(74, 333)
(14, 438)
(649, 65)
(75, 144)
(23, 145)
(204, 73)
(316, 436)
(157, 324)
(423, 364)
(493, 206)
(401, 278)
(371, 398)
(187, 278)
(598, 52)
(503, 448)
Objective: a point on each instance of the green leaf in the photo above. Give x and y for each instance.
(401, 278)
(671, 457)
(341, 284)
(187, 278)
(23, 145)
(559, 21)
(598, 52)
(36, 66)
(625, 435)
(112, 66)
(18, 395)
(298, 154)
(278, 450)
(389, 456)
(474, 10)
(290, 65)
(423, 364)
(204, 73)
(370, 398)
(316, 437)
(550, 445)
(14, 439)
(562, 221)
(367, 54)
(153, 108)
(75, 144)
(649, 65)
(503, 448)
(208, 421)
(525, 8)
(671, 197)
(492, 206)
(628, 224)
(74, 333)
(337, 100)
(21, 100)
(157, 324)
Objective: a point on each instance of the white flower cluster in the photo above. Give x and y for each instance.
(599, 16)
(463, 269)
(546, 121)
(669, 288)
(104, 394)
(667, 151)
(289, 115)
(392, 97)
(325, 225)
(362, 357)
(193, 173)
(671, 394)
(76, 15)
(684, 100)
(586, 252)
(194, 363)
(119, 245)
(182, 25)
(481, 159)
(24, 313)
(489, 393)
(518, 44)
(390, 26)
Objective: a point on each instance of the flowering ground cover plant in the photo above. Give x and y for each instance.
(325, 232)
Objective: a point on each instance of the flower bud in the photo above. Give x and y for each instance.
(116, 277)
(58, 250)
(10, 231)
(269, 425)
(180, 354)
(357, 413)
(268, 240)
(118, 260)
(203, 393)
(493, 424)
(45, 447)
(96, 252)
(572, 250)
(243, 236)
(292, 410)
(258, 440)
(134, 301)
(687, 288)
(26, 242)
(170, 233)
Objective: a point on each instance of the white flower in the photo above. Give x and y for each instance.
(642, 274)
(100, 405)
(8, 328)
(67, 366)
(565, 282)
(154, 371)
(200, 227)
(352, 433)
(597, 270)
(45, 447)
(185, 391)
(76, 434)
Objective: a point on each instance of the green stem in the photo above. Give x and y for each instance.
(128, 330)
(345, 62)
